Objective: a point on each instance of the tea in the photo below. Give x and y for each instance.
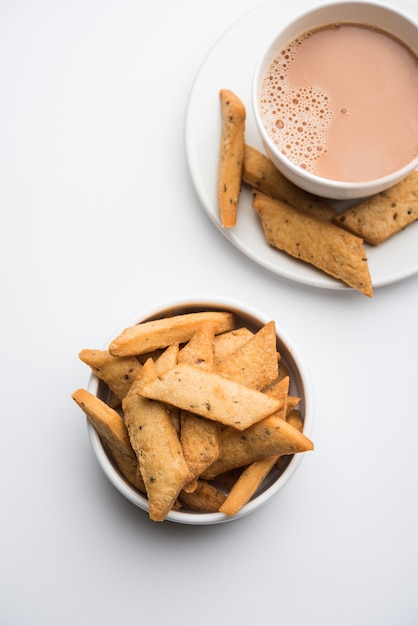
(342, 102)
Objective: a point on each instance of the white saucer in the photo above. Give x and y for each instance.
(230, 65)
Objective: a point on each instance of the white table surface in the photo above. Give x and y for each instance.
(99, 220)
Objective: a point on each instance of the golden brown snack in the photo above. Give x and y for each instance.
(112, 430)
(283, 370)
(163, 362)
(149, 336)
(199, 350)
(292, 402)
(228, 342)
(167, 359)
(150, 429)
(183, 428)
(199, 437)
(321, 244)
(211, 395)
(117, 372)
(205, 497)
(294, 419)
(200, 440)
(270, 436)
(247, 484)
(261, 468)
(255, 363)
(231, 156)
(260, 173)
(280, 391)
(383, 215)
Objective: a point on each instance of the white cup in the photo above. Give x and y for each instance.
(388, 19)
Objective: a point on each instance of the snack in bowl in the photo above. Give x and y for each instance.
(200, 409)
(383, 215)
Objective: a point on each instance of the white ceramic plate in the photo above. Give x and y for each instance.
(230, 65)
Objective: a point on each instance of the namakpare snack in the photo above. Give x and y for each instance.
(231, 156)
(385, 214)
(322, 244)
(198, 413)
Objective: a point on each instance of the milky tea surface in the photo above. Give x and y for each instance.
(342, 103)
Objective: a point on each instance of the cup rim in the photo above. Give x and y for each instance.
(197, 518)
(352, 188)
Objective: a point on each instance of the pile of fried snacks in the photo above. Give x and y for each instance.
(198, 412)
(297, 222)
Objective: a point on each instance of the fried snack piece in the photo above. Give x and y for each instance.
(255, 364)
(260, 173)
(163, 362)
(324, 245)
(199, 350)
(201, 442)
(155, 334)
(167, 359)
(199, 436)
(112, 430)
(283, 370)
(231, 156)
(294, 418)
(117, 372)
(253, 475)
(247, 484)
(174, 414)
(156, 445)
(228, 342)
(383, 215)
(271, 436)
(205, 497)
(280, 391)
(292, 402)
(211, 395)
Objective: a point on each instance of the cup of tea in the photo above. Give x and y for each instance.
(335, 99)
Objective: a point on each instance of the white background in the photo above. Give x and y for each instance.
(99, 220)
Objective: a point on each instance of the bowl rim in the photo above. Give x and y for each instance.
(197, 518)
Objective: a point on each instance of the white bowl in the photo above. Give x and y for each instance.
(300, 387)
(389, 19)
